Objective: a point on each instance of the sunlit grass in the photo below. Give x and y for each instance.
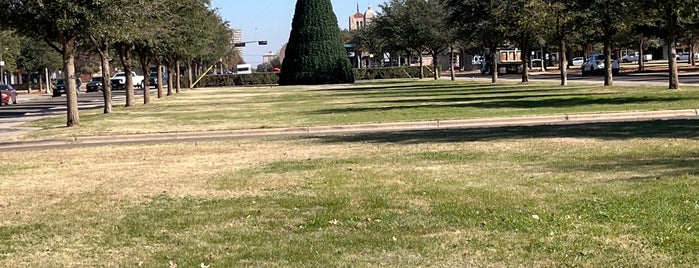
(270, 107)
(587, 195)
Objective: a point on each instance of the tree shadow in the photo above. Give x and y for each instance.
(676, 129)
(552, 101)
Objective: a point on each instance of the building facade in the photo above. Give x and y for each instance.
(359, 20)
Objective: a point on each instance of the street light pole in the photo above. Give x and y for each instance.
(242, 44)
(2, 64)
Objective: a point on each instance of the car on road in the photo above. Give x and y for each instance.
(95, 84)
(118, 81)
(685, 56)
(595, 65)
(60, 87)
(9, 94)
(577, 61)
(634, 57)
(152, 79)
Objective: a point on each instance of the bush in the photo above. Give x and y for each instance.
(273, 78)
(391, 72)
(227, 80)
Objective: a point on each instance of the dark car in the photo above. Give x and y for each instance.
(9, 95)
(60, 87)
(95, 84)
(152, 80)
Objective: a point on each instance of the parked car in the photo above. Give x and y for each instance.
(685, 56)
(152, 79)
(95, 84)
(595, 65)
(634, 57)
(577, 61)
(9, 95)
(60, 87)
(477, 60)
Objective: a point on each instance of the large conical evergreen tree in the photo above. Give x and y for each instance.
(315, 53)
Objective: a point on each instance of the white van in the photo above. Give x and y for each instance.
(244, 69)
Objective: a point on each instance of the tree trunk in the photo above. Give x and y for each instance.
(435, 65)
(525, 62)
(125, 57)
(543, 59)
(178, 87)
(73, 118)
(641, 64)
(692, 61)
(563, 60)
(674, 82)
(451, 63)
(160, 77)
(170, 75)
(608, 80)
(422, 68)
(106, 74)
(190, 79)
(493, 65)
(146, 77)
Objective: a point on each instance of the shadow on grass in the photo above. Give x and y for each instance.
(685, 129)
(630, 167)
(512, 102)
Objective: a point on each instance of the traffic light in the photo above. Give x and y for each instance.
(239, 44)
(262, 43)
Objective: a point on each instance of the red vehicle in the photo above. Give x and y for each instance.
(9, 95)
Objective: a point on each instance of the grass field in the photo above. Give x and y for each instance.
(268, 107)
(606, 194)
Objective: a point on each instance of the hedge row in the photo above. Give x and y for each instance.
(273, 78)
(227, 80)
(391, 72)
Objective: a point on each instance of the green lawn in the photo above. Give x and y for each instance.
(598, 194)
(269, 107)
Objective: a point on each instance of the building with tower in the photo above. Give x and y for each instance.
(359, 20)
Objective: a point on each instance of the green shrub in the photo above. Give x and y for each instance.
(273, 78)
(227, 80)
(391, 72)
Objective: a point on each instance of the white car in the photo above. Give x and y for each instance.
(577, 61)
(118, 81)
(634, 57)
(685, 56)
(595, 65)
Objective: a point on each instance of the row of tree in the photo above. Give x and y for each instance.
(407, 27)
(170, 33)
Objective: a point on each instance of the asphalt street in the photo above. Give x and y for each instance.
(35, 106)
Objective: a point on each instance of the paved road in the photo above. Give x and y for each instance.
(31, 107)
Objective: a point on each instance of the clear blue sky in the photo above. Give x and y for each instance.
(271, 20)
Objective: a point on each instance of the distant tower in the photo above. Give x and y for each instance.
(356, 21)
(369, 16)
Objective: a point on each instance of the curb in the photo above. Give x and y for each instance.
(692, 114)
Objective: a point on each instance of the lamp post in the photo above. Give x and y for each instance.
(2, 65)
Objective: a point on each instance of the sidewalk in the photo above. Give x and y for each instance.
(351, 129)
